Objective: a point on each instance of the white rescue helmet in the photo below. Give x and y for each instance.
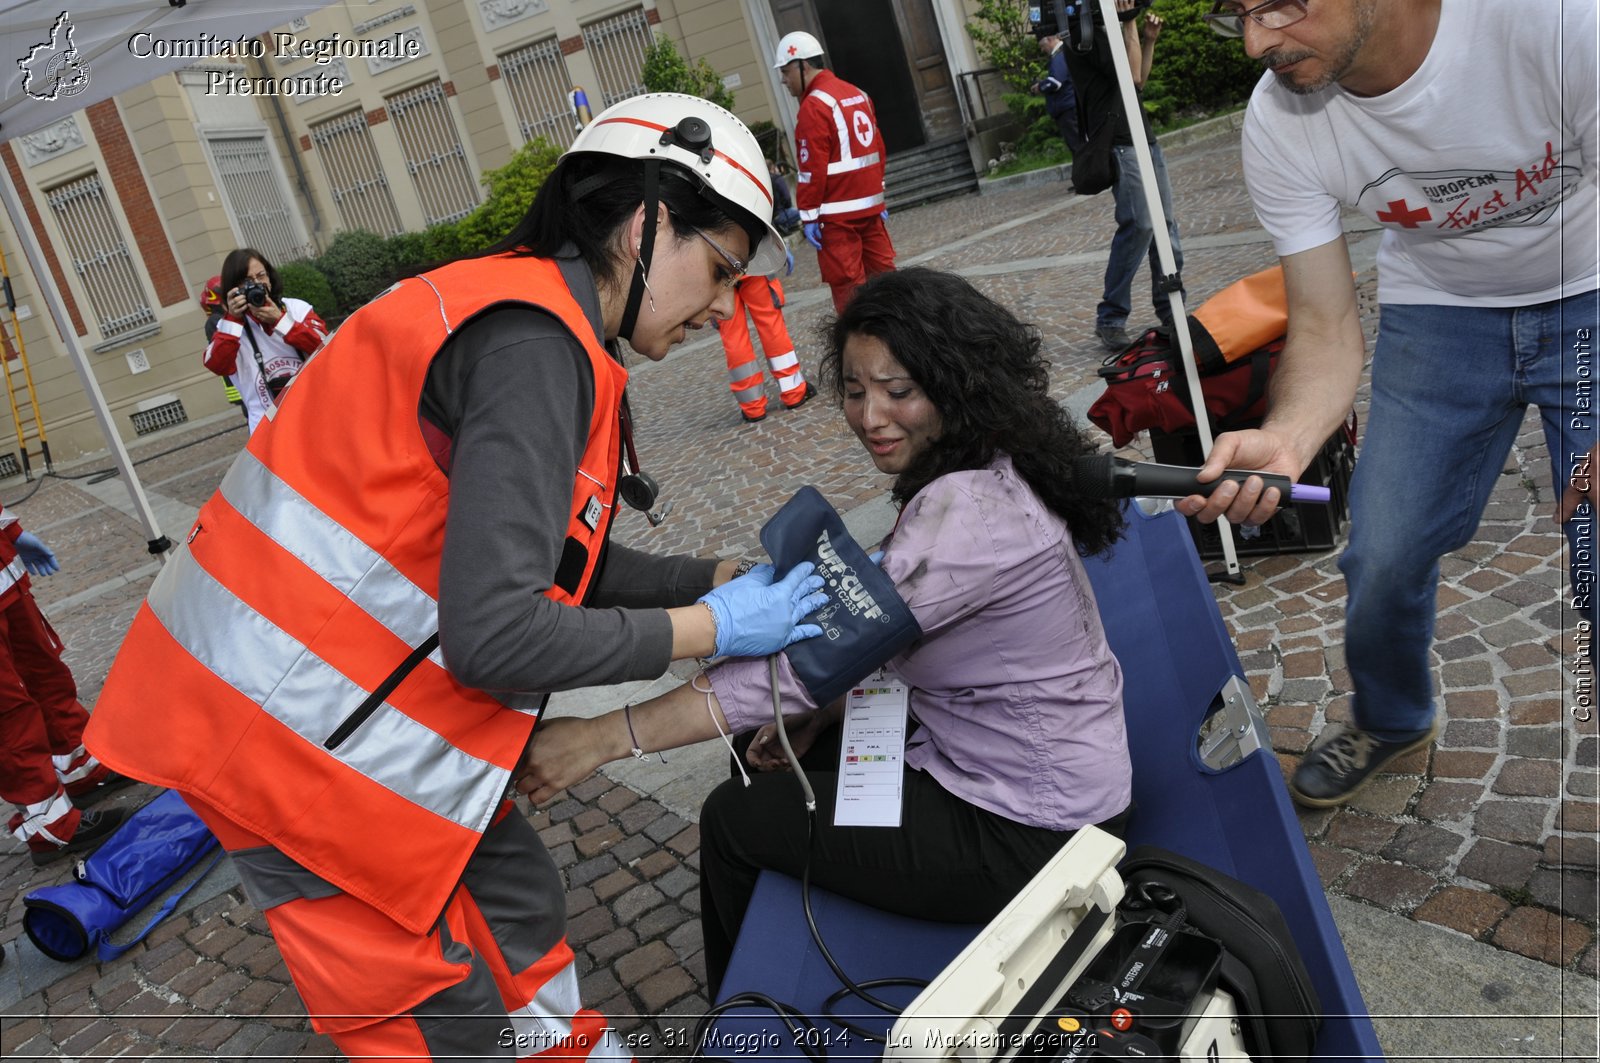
(699, 137)
(796, 45)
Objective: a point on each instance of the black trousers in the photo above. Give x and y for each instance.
(949, 861)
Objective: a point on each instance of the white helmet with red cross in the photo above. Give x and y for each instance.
(697, 136)
(796, 45)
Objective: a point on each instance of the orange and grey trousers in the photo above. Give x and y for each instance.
(763, 298)
(493, 979)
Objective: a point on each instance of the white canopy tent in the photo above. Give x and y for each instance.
(60, 56)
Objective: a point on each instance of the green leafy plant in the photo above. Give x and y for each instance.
(665, 70)
(1195, 73)
(303, 280)
(358, 265)
(999, 28)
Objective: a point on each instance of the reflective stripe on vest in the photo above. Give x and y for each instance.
(12, 574)
(845, 206)
(846, 165)
(295, 687)
(345, 562)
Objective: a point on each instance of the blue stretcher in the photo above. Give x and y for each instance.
(1179, 663)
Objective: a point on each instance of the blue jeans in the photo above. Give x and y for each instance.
(1135, 238)
(1450, 385)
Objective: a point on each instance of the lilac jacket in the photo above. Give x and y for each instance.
(1019, 697)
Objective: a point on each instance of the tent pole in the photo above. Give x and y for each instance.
(1158, 217)
(157, 543)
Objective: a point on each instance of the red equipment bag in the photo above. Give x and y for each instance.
(1238, 334)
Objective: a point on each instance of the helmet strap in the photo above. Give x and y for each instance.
(647, 247)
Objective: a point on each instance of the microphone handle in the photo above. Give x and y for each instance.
(1176, 481)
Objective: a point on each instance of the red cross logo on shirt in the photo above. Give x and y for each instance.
(1400, 212)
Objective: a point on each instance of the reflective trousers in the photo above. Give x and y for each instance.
(41, 728)
(494, 979)
(763, 298)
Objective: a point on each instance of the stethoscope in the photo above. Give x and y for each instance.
(637, 488)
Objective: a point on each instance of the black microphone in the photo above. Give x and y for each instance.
(1108, 476)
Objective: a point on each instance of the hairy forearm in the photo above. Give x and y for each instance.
(1314, 387)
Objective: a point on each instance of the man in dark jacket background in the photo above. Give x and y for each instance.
(1059, 98)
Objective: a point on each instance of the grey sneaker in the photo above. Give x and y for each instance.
(1343, 761)
(1112, 337)
(93, 828)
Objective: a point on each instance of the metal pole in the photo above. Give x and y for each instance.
(1158, 218)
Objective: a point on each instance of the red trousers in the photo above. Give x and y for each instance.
(763, 298)
(851, 252)
(41, 727)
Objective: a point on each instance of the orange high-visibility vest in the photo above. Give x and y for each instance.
(284, 666)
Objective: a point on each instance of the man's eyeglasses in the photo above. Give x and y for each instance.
(1227, 18)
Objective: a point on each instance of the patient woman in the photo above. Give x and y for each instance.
(1016, 732)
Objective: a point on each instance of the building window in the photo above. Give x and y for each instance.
(350, 160)
(100, 256)
(616, 46)
(537, 80)
(166, 415)
(434, 155)
(255, 196)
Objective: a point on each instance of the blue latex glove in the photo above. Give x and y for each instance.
(876, 557)
(813, 231)
(788, 262)
(885, 214)
(756, 616)
(38, 558)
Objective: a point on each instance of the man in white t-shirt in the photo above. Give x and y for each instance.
(1466, 129)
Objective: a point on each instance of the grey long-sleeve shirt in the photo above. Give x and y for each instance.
(515, 392)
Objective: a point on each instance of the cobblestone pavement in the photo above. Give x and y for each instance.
(1492, 834)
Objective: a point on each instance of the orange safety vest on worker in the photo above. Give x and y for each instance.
(840, 152)
(284, 667)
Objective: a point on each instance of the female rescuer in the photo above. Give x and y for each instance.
(335, 673)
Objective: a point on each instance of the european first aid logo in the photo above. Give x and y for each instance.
(54, 70)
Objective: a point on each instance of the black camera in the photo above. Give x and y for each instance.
(254, 294)
(1073, 20)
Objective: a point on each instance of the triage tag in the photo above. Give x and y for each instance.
(872, 753)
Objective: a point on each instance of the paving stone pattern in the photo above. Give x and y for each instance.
(1491, 834)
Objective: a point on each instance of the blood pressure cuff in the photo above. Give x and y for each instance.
(864, 621)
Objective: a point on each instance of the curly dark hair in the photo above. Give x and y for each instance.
(986, 373)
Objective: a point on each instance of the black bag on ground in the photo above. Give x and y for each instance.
(1279, 1013)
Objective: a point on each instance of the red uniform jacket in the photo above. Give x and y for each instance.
(840, 152)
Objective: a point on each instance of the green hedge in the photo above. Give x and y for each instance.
(303, 280)
(358, 265)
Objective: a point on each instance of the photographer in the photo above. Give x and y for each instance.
(276, 335)
(1094, 76)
